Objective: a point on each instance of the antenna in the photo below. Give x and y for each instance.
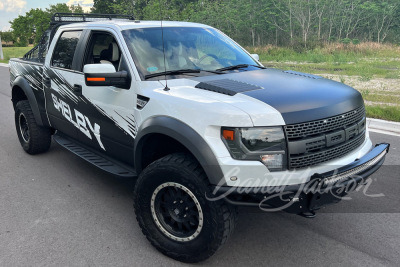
(163, 46)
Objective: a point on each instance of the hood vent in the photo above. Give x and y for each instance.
(227, 86)
(310, 76)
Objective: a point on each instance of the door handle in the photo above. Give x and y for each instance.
(77, 89)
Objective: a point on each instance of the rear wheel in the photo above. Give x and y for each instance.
(175, 215)
(34, 139)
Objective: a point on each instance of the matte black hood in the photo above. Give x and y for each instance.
(298, 97)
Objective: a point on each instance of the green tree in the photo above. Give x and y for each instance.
(297, 23)
(32, 25)
(382, 17)
(76, 9)
(105, 6)
(59, 8)
(7, 37)
(39, 20)
(21, 30)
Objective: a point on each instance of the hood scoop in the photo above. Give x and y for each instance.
(306, 75)
(227, 86)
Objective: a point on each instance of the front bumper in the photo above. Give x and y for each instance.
(322, 189)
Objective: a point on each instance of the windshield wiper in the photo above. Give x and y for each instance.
(234, 67)
(171, 72)
(240, 66)
(213, 71)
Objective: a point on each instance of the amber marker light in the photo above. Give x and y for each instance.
(228, 135)
(96, 79)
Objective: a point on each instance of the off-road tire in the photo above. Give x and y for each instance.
(38, 139)
(219, 217)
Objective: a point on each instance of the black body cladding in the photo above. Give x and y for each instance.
(186, 136)
(299, 98)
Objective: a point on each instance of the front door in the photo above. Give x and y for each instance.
(109, 111)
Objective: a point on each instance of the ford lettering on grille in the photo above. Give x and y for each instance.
(320, 141)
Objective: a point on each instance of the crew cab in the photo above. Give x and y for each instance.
(201, 124)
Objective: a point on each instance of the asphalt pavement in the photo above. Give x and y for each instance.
(57, 210)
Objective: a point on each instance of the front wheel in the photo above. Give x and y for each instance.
(174, 213)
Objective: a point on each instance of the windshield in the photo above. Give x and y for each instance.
(186, 48)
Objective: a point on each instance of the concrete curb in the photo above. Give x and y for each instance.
(4, 65)
(385, 127)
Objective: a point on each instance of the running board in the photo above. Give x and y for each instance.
(94, 158)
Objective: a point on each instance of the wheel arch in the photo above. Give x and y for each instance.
(182, 135)
(21, 90)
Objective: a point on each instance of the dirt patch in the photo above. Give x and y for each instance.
(372, 103)
(374, 85)
(372, 88)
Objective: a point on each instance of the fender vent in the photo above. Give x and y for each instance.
(315, 77)
(227, 86)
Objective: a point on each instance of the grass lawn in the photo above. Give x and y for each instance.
(391, 113)
(371, 68)
(11, 52)
(366, 60)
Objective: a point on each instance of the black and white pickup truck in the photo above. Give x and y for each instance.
(200, 123)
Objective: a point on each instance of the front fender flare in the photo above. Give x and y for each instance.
(27, 89)
(187, 137)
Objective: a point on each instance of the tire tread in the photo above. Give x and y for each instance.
(227, 221)
(40, 137)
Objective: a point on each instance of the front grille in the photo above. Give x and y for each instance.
(326, 155)
(314, 146)
(315, 142)
(307, 129)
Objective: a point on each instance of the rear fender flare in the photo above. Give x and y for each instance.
(28, 91)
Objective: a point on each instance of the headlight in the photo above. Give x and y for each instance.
(265, 144)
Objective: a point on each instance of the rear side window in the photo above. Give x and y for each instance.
(65, 49)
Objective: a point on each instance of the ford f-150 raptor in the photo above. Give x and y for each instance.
(200, 122)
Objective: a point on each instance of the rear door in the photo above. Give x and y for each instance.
(59, 75)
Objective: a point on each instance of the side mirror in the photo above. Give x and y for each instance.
(105, 75)
(255, 56)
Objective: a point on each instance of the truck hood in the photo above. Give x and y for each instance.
(297, 96)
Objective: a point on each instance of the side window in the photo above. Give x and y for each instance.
(103, 49)
(64, 51)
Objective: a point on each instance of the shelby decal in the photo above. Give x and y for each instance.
(81, 121)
